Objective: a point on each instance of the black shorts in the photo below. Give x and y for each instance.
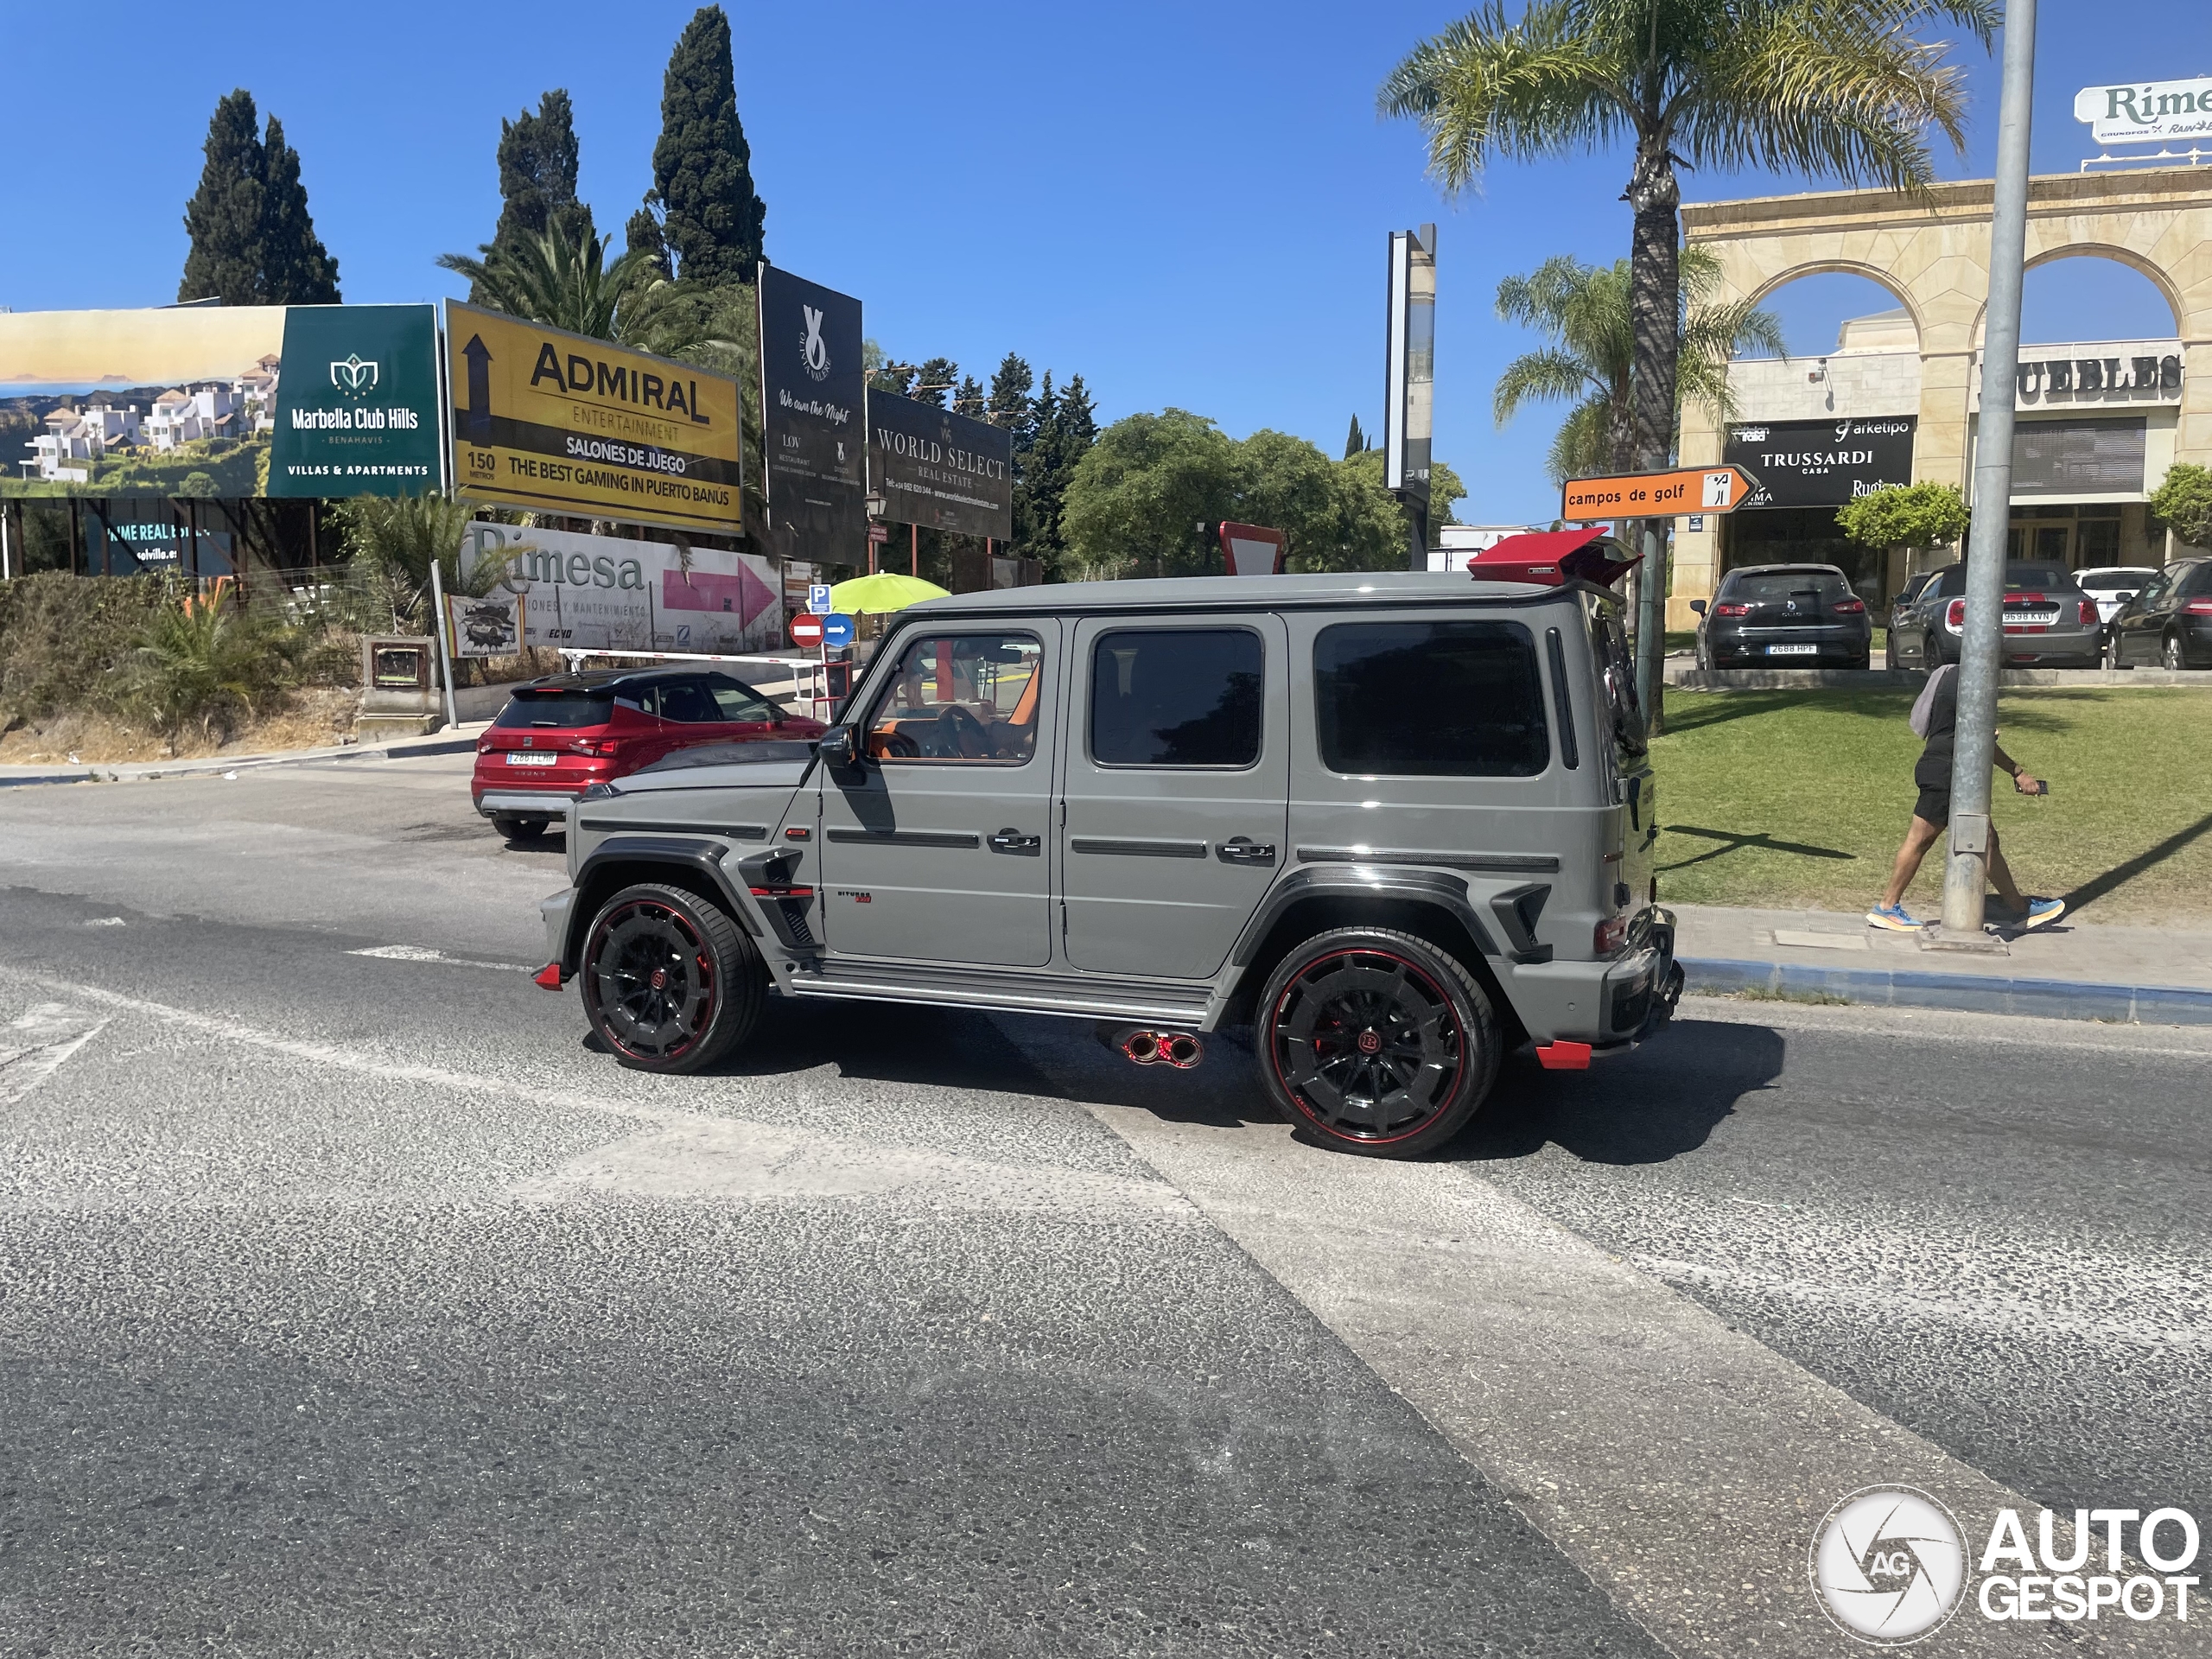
(1933, 774)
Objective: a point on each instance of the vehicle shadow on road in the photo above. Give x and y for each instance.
(1662, 1101)
(888, 1042)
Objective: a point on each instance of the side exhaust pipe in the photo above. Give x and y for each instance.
(1139, 1047)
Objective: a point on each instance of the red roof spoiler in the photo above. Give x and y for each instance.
(1551, 557)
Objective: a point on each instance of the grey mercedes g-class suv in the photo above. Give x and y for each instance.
(1397, 824)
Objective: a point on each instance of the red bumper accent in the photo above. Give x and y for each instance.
(1562, 1056)
(550, 977)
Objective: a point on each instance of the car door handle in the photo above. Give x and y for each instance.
(1013, 840)
(1243, 849)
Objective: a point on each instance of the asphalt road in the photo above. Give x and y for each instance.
(348, 1303)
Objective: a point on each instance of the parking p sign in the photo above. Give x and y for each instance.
(818, 599)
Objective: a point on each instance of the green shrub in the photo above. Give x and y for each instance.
(60, 636)
(203, 663)
(1906, 515)
(2184, 501)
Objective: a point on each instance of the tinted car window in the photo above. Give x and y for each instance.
(740, 702)
(561, 710)
(2198, 581)
(688, 703)
(1176, 697)
(961, 698)
(1430, 699)
(1823, 585)
(2114, 581)
(2018, 577)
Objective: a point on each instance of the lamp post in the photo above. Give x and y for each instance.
(1981, 643)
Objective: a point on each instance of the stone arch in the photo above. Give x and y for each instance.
(1841, 267)
(2141, 264)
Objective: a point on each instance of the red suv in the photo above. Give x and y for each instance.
(557, 737)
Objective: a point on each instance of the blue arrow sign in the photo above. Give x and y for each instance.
(837, 629)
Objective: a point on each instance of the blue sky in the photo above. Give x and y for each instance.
(1186, 202)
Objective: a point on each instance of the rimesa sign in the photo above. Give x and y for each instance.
(2146, 111)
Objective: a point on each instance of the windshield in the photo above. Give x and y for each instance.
(2020, 577)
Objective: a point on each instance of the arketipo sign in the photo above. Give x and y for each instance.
(547, 419)
(1821, 463)
(2147, 111)
(940, 470)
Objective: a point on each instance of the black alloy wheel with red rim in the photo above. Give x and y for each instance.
(670, 982)
(1376, 1042)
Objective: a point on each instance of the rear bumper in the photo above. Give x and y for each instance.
(554, 910)
(1738, 651)
(1610, 1005)
(537, 803)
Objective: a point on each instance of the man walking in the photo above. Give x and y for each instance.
(1936, 717)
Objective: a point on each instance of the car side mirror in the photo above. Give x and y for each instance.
(835, 748)
(1698, 605)
(2124, 598)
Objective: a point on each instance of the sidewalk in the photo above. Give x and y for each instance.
(2070, 970)
(456, 739)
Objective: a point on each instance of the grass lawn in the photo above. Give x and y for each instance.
(1800, 798)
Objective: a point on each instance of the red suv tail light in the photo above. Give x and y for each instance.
(2199, 607)
(1956, 616)
(2089, 612)
(1732, 610)
(596, 745)
(1606, 936)
(1851, 607)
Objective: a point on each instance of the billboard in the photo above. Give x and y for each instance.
(1821, 463)
(564, 423)
(221, 401)
(2147, 111)
(607, 593)
(134, 535)
(938, 469)
(1409, 374)
(812, 389)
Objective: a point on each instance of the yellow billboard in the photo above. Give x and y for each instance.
(558, 422)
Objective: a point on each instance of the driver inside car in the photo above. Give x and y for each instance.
(971, 697)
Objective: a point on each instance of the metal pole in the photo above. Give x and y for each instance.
(1965, 869)
(445, 650)
(1651, 622)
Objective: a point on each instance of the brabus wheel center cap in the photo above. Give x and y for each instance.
(1370, 1043)
(660, 979)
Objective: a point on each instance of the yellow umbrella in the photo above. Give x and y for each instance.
(886, 590)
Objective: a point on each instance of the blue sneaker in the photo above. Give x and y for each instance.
(1895, 918)
(2041, 911)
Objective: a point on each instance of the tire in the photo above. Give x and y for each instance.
(1432, 1018)
(2173, 654)
(710, 983)
(2112, 652)
(1865, 660)
(1889, 652)
(515, 829)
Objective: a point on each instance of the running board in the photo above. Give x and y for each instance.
(1010, 994)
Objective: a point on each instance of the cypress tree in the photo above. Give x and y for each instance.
(708, 215)
(296, 267)
(1010, 405)
(1066, 428)
(939, 375)
(538, 175)
(224, 216)
(1355, 440)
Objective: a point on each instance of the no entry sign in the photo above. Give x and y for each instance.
(806, 630)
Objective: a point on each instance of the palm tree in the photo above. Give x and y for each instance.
(1843, 88)
(1583, 312)
(562, 278)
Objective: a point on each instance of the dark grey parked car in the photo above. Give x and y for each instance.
(2048, 621)
(1783, 616)
(1397, 824)
(2167, 624)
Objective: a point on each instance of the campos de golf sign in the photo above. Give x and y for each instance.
(2147, 111)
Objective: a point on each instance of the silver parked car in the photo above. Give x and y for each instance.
(1395, 825)
(2048, 623)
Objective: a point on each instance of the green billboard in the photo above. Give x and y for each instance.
(358, 413)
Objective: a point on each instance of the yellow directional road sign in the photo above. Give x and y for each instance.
(1656, 495)
(548, 419)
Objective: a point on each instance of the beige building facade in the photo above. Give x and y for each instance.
(2099, 420)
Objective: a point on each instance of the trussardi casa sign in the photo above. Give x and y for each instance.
(1821, 463)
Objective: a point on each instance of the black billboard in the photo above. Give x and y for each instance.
(940, 470)
(1821, 463)
(812, 393)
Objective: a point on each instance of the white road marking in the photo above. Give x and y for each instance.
(1681, 1464)
(34, 1047)
(423, 953)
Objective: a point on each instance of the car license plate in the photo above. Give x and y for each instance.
(1793, 651)
(525, 758)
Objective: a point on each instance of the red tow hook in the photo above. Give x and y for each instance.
(1557, 1057)
(549, 976)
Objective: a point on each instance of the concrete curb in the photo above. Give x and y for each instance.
(1892, 679)
(145, 769)
(2048, 999)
